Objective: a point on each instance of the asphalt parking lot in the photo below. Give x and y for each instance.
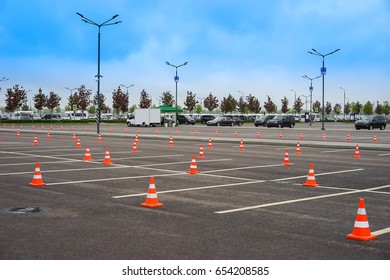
(244, 204)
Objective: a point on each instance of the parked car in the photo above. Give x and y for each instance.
(371, 122)
(205, 118)
(262, 120)
(4, 117)
(281, 121)
(54, 117)
(185, 119)
(239, 120)
(222, 121)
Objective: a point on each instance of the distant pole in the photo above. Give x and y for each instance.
(311, 92)
(127, 90)
(106, 23)
(323, 72)
(344, 102)
(295, 98)
(176, 79)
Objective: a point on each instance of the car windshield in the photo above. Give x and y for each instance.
(278, 118)
(218, 119)
(368, 118)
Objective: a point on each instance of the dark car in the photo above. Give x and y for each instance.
(239, 121)
(54, 117)
(371, 122)
(281, 121)
(262, 120)
(222, 121)
(185, 119)
(205, 118)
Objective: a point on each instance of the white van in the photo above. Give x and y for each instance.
(77, 115)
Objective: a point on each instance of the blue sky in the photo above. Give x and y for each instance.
(255, 47)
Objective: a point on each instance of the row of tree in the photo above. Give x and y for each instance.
(16, 98)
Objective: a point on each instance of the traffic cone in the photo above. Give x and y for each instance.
(216, 133)
(280, 135)
(258, 135)
(33, 126)
(348, 138)
(18, 134)
(110, 129)
(242, 145)
(48, 135)
(210, 145)
(301, 136)
(126, 129)
(298, 149)
(100, 138)
(13, 126)
(136, 139)
(35, 141)
(37, 178)
(62, 128)
(374, 138)
(87, 155)
(196, 132)
(21, 126)
(151, 198)
(170, 141)
(311, 180)
(4, 125)
(156, 130)
(42, 127)
(176, 132)
(286, 159)
(201, 154)
(357, 153)
(107, 159)
(193, 167)
(72, 127)
(361, 228)
(74, 136)
(138, 131)
(134, 150)
(235, 133)
(78, 144)
(324, 136)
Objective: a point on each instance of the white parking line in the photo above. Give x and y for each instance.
(381, 155)
(381, 231)
(298, 200)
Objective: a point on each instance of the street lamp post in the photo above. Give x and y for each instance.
(295, 97)
(127, 90)
(344, 102)
(306, 96)
(311, 92)
(323, 72)
(106, 23)
(176, 79)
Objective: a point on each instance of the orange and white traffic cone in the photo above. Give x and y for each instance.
(18, 134)
(324, 136)
(235, 133)
(298, 149)
(35, 141)
(136, 139)
(357, 153)
(48, 135)
(13, 126)
(37, 180)
(134, 150)
(280, 135)
(348, 138)
(193, 167)
(171, 142)
(107, 158)
(72, 127)
(74, 136)
(176, 132)
(258, 135)
(42, 127)
(210, 145)
(242, 145)
(196, 132)
(301, 136)
(62, 128)
(201, 154)
(100, 138)
(111, 130)
(156, 130)
(151, 198)
(216, 133)
(126, 129)
(375, 138)
(311, 180)
(138, 131)
(286, 159)
(361, 228)
(87, 156)
(78, 144)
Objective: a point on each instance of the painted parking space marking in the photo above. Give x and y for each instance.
(381, 231)
(299, 200)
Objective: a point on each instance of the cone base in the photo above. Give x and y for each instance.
(106, 162)
(193, 172)
(201, 156)
(363, 238)
(298, 152)
(87, 159)
(358, 156)
(286, 163)
(311, 185)
(37, 184)
(148, 205)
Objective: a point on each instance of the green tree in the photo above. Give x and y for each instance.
(167, 99)
(328, 108)
(379, 108)
(190, 101)
(386, 108)
(210, 102)
(228, 104)
(120, 101)
(103, 106)
(284, 105)
(347, 108)
(269, 106)
(298, 104)
(198, 109)
(241, 104)
(132, 108)
(317, 107)
(253, 104)
(337, 108)
(83, 98)
(39, 100)
(53, 101)
(15, 98)
(368, 108)
(356, 107)
(145, 100)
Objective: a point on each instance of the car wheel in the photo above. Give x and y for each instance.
(291, 125)
(280, 125)
(218, 124)
(382, 127)
(370, 127)
(357, 128)
(232, 124)
(186, 123)
(256, 125)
